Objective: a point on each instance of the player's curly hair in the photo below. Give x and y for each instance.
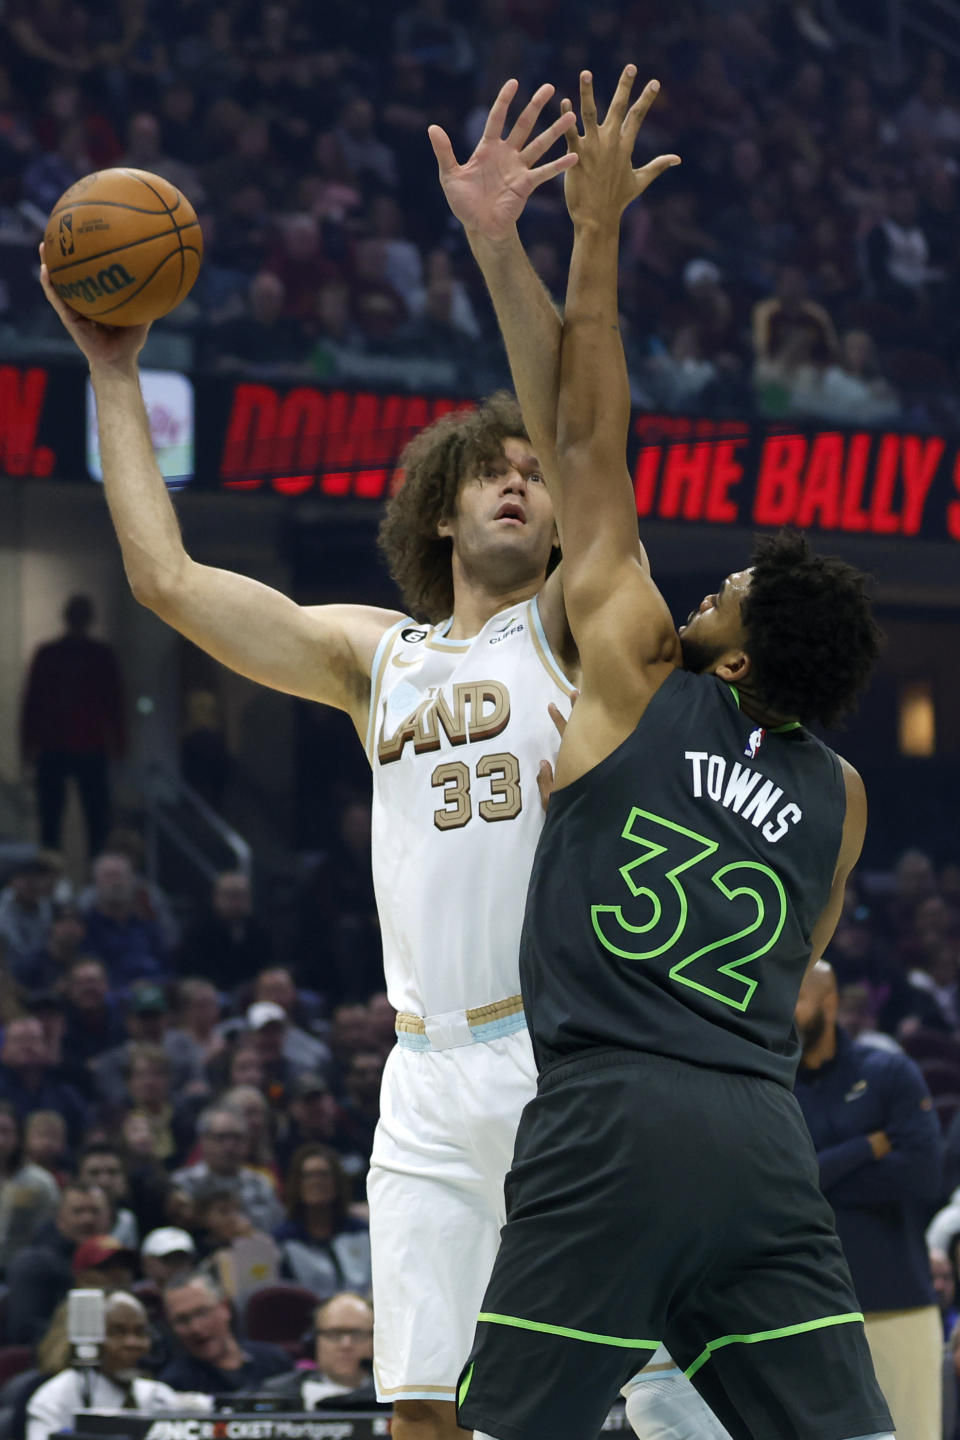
(436, 463)
(810, 631)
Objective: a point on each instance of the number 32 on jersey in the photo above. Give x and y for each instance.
(655, 924)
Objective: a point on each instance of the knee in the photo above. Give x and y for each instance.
(424, 1420)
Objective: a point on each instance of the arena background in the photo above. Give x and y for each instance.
(338, 310)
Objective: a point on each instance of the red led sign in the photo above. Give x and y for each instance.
(339, 442)
(22, 394)
(342, 444)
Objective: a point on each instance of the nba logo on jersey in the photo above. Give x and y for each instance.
(754, 743)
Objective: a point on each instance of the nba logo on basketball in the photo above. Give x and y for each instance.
(66, 234)
(754, 743)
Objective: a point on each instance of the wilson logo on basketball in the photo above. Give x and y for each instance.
(66, 234)
(91, 287)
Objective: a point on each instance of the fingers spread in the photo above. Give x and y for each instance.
(621, 96)
(572, 135)
(528, 117)
(638, 110)
(540, 144)
(655, 169)
(493, 130)
(442, 148)
(588, 106)
(552, 169)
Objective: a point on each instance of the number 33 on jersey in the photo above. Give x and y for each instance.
(457, 731)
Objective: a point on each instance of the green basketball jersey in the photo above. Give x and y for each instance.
(676, 886)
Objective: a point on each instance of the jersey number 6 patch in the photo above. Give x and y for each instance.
(660, 910)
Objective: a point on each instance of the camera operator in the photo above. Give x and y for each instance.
(113, 1384)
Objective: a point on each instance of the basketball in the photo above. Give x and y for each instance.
(123, 246)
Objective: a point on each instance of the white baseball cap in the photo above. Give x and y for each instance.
(168, 1240)
(265, 1012)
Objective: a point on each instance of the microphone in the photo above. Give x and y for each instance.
(86, 1331)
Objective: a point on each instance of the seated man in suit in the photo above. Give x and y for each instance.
(343, 1354)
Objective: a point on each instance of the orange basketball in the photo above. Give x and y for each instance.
(123, 246)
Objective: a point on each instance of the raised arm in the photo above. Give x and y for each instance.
(487, 195)
(619, 619)
(322, 652)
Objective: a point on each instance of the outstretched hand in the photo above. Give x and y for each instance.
(108, 346)
(545, 772)
(605, 182)
(487, 193)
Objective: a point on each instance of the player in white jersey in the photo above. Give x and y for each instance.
(477, 533)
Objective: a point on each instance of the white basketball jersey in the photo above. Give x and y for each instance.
(457, 731)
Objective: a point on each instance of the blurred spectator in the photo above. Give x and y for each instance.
(298, 262)
(129, 946)
(403, 266)
(263, 335)
(29, 1194)
(849, 391)
(144, 153)
(147, 1013)
(945, 1289)
(382, 1020)
(94, 1019)
(50, 173)
(40, 1275)
(72, 724)
(102, 1166)
(789, 329)
(253, 1109)
(26, 914)
(366, 158)
(198, 1018)
(880, 1169)
(269, 1024)
(441, 304)
(222, 1140)
(361, 1103)
(45, 1143)
(27, 1079)
(148, 1090)
(316, 1118)
(212, 1360)
(150, 902)
(48, 966)
(222, 1221)
(302, 1050)
(230, 944)
(337, 333)
(342, 1354)
(376, 306)
(323, 1247)
(99, 1263)
(898, 253)
(113, 1385)
(167, 1254)
(350, 1032)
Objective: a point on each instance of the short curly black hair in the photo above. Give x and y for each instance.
(809, 628)
(436, 463)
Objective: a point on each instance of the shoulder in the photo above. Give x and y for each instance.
(270, 1358)
(289, 1230)
(184, 1373)
(888, 1067)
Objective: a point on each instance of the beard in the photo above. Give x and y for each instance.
(812, 1033)
(698, 655)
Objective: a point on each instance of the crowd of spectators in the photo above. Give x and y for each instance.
(176, 1103)
(803, 261)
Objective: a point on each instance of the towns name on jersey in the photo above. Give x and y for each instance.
(479, 711)
(738, 788)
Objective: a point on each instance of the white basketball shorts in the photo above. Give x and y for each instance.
(448, 1120)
